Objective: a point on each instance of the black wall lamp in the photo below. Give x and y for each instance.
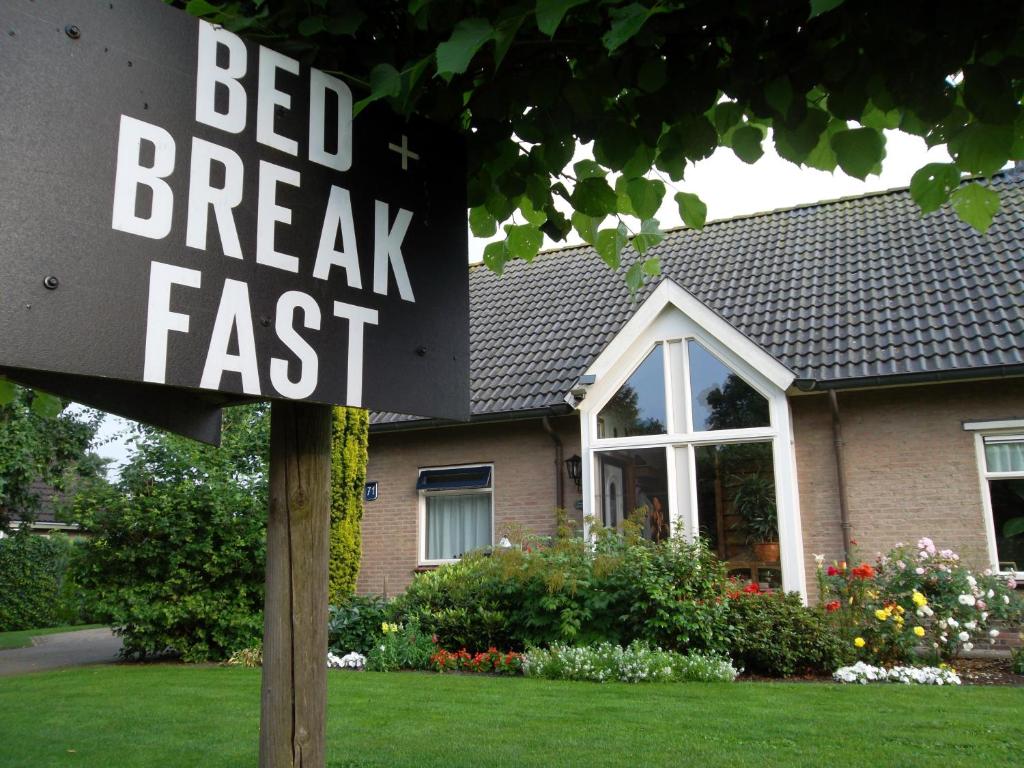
(574, 466)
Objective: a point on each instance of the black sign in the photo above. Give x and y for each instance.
(183, 208)
(370, 491)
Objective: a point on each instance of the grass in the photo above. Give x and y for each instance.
(166, 715)
(23, 638)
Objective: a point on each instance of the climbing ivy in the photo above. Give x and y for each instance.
(658, 85)
(348, 478)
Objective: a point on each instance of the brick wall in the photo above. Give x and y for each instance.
(910, 467)
(523, 455)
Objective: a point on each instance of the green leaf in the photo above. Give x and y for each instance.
(932, 184)
(610, 243)
(727, 115)
(859, 151)
(779, 95)
(976, 205)
(640, 163)
(616, 145)
(692, 209)
(496, 256)
(651, 267)
(626, 22)
(454, 56)
(981, 148)
(650, 234)
(551, 12)
(385, 81)
(524, 241)
(588, 169)
(530, 213)
(1013, 527)
(346, 23)
(819, 7)
(823, 157)
(46, 405)
(586, 226)
(7, 392)
(653, 74)
(988, 93)
(202, 8)
(645, 196)
(312, 25)
(635, 277)
(594, 197)
(481, 222)
(795, 143)
(746, 143)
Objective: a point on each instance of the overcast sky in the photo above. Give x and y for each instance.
(729, 187)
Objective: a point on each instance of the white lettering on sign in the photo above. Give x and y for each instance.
(233, 318)
(131, 174)
(143, 205)
(202, 196)
(286, 332)
(338, 215)
(160, 320)
(209, 76)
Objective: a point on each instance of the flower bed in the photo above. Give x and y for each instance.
(492, 660)
(866, 673)
(634, 664)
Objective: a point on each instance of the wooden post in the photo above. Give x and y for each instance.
(294, 694)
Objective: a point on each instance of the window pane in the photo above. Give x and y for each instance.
(1005, 454)
(638, 408)
(721, 399)
(457, 523)
(736, 507)
(633, 485)
(449, 479)
(1008, 504)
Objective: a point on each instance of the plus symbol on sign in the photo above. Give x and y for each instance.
(404, 151)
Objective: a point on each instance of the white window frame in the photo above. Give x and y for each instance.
(422, 508)
(981, 430)
(669, 315)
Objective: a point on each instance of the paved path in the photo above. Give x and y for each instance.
(68, 649)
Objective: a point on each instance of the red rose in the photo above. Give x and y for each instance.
(832, 606)
(832, 571)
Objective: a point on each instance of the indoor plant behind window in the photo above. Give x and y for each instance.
(754, 501)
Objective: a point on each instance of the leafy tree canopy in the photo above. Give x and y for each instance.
(41, 441)
(660, 84)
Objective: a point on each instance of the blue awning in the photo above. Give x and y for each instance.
(452, 479)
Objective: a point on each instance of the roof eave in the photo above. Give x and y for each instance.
(901, 379)
(555, 409)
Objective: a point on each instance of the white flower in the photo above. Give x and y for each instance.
(1006, 599)
(966, 599)
(964, 637)
(952, 622)
(993, 633)
(971, 625)
(919, 571)
(968, 646)
(971, 580)
(990, 594)
(819, 560)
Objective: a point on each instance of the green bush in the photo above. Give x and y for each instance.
(355, 624)
(176, 560)
(35, 589)
(400, 646)
(350, 427)
(668, 594)
(774, 634)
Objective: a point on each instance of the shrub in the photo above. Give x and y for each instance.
(348, 478)
(355, 624)
(915, 598)
(247, 657)
(775, 634)
(35, 590)
(400, 646)
(634, 664)
(1017, 660)
(624, 589)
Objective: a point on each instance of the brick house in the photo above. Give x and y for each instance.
(846, 369)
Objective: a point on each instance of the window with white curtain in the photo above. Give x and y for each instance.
(456, 511)
(1003, 457)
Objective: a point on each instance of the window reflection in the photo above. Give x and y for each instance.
(638, 408)
(720, 398)
(634, 486)
(736, 507)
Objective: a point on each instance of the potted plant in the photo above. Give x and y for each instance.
(754, 501)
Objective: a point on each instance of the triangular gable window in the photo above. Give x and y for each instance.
(638, 408)
(720, 398)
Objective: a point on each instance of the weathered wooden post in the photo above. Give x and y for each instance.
(294, 694)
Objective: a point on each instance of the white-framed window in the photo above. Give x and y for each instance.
(999, 446)
(456, 511)
(687, 424)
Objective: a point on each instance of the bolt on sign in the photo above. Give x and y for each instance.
(189, 219)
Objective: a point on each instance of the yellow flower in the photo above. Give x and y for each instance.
(859, 642)
(900, 610)
(881, 615)
(919, 631)
(898, 620)
(919, 600)
(384, 627)
(392, 627)
(872, 594)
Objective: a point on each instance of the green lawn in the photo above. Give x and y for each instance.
(165, 716)
(23, 638)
